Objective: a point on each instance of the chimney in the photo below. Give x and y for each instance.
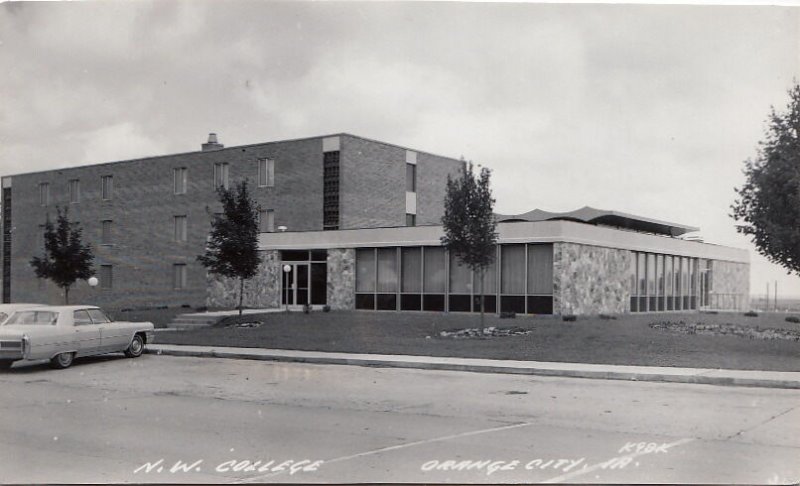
(212, 143)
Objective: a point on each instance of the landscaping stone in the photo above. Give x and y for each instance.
(487, 332)
(726, 330)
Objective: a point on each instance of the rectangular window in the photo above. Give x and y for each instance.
(179, 276)
(44, 193)
(266, 221)
(387, 270)
(434, 274)
(107, 183)
(411, 178)
(365, 270)
(460, 277)
(512, 269)
(180, 177)
(540, 269)
(411, 219)
(412, 270)
(106, 276)
(43, 239)
(180, 223)
(221, 172)
(75, 191)
(106, 237)
(330, 191)
(266, 173)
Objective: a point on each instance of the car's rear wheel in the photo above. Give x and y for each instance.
(62, 360)
(6, 364)
(136, 347)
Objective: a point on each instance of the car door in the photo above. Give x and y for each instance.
(88, 333)
(114, 335)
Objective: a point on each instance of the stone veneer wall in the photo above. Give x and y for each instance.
(730, 285)
(261, 291)
(342, 278)
(591, 279)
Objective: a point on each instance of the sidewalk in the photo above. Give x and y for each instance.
(765, 379)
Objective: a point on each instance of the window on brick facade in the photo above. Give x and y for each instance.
(106, 276)
(75, 191)
(106, 227)
(330, 191)
(180, 228)
(266, 173)
(221, 172)
(107, 187)
(266, 221)
(411, 178)
(411, 219)
(44, 193)
(42, 237)
(180, 176)
(179, 276)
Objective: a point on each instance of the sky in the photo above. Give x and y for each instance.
(646, 109)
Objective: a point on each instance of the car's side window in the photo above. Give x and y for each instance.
(98, 316)
(81, 318)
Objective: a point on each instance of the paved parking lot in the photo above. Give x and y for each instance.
(174, 419)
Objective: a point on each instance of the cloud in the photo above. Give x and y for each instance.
(644, 109)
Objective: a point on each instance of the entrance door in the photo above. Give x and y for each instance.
(295, 285)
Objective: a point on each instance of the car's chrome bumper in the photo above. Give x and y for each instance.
(11, 349)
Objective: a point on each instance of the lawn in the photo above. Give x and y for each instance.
(627, 340)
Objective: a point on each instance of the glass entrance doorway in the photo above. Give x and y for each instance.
(295, 284)
(306, 281)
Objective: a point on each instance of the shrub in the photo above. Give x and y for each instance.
(508, 315)
(793, 319)
(608, 317)
(751, 314)
(307, 308)
(569, 318)
(202, 308)
(326, 308)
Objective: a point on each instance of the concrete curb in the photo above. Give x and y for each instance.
(567, 370)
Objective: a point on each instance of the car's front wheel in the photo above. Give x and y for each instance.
(62, 360)
(6, 364)
(136, 347)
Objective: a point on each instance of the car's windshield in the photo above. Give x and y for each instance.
(43, 318)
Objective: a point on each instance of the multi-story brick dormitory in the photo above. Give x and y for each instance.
(352, 223)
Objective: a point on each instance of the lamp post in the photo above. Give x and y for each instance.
(286, 270)
(92, 281)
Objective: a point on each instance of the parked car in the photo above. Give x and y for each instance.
(62, 333)
(7, 309)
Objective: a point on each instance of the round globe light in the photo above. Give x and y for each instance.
(287, 268)
(93, 281)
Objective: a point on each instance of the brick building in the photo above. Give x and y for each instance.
(147, 219)
(351, 223)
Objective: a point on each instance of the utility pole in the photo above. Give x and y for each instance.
(776, 296)
(766, 299)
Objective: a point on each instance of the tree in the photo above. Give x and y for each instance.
(232, 249)
(66, 259)
(470, 227)
(769, 201)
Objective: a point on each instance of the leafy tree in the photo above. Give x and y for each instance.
(66, 259)
(232, 249)
(470, 227)
(769, 201)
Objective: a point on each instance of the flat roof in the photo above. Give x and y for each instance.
(217, 150)
(557, 231)
(603, 217)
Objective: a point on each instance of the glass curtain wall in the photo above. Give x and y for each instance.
(428, 278)
(663, 283)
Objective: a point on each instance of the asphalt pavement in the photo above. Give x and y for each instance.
(188, 419)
